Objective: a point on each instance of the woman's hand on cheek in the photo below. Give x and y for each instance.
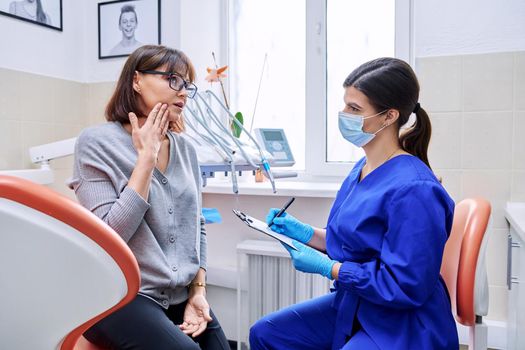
(148, 138)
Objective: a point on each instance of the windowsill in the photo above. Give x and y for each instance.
(288, 187)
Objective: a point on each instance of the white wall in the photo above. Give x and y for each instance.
(191, 26)
(37, 49)
(201, 23)
(108, 69)
(73, 53)
(442, 28)
(451, 27)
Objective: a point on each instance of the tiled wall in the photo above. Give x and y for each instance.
(477, 107)
(35, 110)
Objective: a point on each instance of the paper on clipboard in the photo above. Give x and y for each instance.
(260, 226)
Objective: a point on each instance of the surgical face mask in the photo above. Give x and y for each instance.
(351, 127)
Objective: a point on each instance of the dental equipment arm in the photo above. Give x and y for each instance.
(264, 161)
(204, 138)
(217, 122)
(216, 141)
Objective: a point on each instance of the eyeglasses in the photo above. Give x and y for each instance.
(176, 82)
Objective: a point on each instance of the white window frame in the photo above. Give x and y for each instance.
(316, 142)
(315, 92)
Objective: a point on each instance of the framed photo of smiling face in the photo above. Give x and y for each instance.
(125, 25)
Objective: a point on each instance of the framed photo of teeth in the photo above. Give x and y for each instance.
(46, 13)
(125, 25)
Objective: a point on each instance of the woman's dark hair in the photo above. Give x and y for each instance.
(147, 57)
(40, 15)
(390, 83)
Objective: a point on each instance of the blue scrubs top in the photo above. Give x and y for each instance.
(389, 231)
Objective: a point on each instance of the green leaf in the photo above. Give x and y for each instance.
(236, 130)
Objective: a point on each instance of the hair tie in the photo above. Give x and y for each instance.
(416, 107)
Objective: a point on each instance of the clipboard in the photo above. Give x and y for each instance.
(260, 226)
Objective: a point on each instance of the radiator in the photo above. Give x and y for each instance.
(268, 282)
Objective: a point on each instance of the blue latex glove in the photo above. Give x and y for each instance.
(212, 215)
(310, 260)
(289, 226)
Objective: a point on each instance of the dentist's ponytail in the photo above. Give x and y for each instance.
(415, 140)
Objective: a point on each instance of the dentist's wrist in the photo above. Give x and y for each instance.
(328, 268)
(335, 271)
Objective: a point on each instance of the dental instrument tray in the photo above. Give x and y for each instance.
(260, 226)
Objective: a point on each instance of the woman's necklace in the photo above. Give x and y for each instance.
(390, 156)
(366, 172)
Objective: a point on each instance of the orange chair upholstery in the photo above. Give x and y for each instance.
(463, 268)
(63, 269)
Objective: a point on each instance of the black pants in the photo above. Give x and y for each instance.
(143, 324)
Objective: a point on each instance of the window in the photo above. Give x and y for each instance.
(310, 48)
(356, 32)
(257, 39)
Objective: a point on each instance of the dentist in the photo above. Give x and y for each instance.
(384, 237)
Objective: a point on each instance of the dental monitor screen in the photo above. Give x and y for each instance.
(275, 142)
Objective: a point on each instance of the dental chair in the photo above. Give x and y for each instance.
(463, 268)
(62, 269)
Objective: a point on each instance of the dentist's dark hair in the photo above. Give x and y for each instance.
(390, 83)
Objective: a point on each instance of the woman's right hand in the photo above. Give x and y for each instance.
(148, 138)
(289, 226)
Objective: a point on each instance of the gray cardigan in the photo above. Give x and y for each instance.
(166, 233)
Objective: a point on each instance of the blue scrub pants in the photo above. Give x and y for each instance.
(308, 325)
